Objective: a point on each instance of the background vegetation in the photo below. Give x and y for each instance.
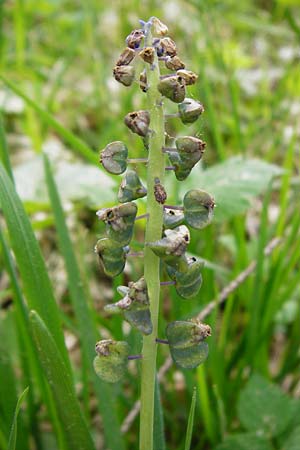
(60, 105)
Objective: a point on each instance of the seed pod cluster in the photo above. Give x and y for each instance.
(154, 51)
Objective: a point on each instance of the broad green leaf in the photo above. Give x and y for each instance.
(189, 431)
(87, 327)
(77, 144)
(244, 441)
(36, 284)
(264, 408)
(233, 183)
(61, 384)
(13, 432)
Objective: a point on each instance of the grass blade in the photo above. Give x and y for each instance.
(86, 324)
(3, 149)
(75, 142)
(13, 432)
(189, 430)
(36, 283)
(61, 384)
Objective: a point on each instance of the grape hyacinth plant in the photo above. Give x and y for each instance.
(167, 227)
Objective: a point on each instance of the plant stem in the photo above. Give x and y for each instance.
(155, 169)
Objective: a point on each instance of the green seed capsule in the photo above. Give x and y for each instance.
(173, 218)
(172, 88)
(198, 208)
(190, 151)
(126, 57)
(112, 256)
(131, 187)
(114, 157)
(187, 283)
(186, 342)
(124, 74)
(138, 122)
(190, 110)
(134, 306)
(171, 249)
(111, 361)
(119, 222)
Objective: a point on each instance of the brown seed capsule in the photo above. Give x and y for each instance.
(134, 39)
(126, 57)
(172, 88)
(147, 54)
(188, 76)
(159, 192)
(174, 63)
(168, 46)
(159, 28)
(124, 74)
(138, 122)
(143, 81)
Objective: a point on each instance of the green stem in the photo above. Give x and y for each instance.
(155, 169)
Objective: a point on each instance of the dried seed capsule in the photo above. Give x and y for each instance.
(171, 248)
(159, 28)
(126, 57)
(119, 222)
(188, 76)
(147, 54)
(135, 38)
(143, 81)
(198, 208)
(134, 305)
(124, 74)
(138, 122)
(172, 88)
(112, 256)
(186, 342)
(167, 47)
(187, 283)
(174, 63)
(189, 110)
(111, 361)
(114, 157)
(131, 187)
(159, 192)
(190, 151)
(173, 218)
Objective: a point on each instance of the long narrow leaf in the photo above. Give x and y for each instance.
(61, 384)
(37, 287)
(3, 149)
(75, 143)
(86, 325)
(189, 431)
(13, 432)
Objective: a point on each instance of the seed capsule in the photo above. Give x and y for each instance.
(188, 76)
(119, 222)
(171, 248)
(112, 256)
(143, 81)
(135, 38)
(186, 342)
(138, 122)
(134, 305)
(190, 144)
(190, 110)
(124, 74)
(190, 151)
(168, 47)
(159, 28)
(187, 283)
(126, 57)
(172, 88)
(114, 157)
(111, 361)
(131, 187)
(198, 208)
(147, 54)
(174, 63)
(173, 218)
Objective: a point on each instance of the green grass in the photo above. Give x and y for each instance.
(57, 58)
